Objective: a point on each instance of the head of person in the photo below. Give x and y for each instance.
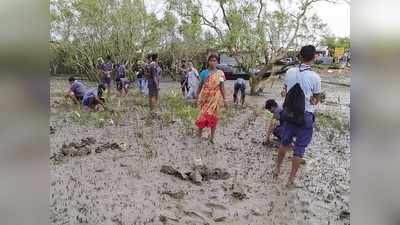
(307, 54)
(108, 57)
(271, 105)
(154, 57)
(190, 65)
(212, 61)
(71, 79)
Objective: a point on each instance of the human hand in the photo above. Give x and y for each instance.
(266, 141)
(283, 93)
(313, 100)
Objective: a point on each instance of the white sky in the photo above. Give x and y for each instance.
(337, 16)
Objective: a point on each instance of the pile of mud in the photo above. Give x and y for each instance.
(84, 148)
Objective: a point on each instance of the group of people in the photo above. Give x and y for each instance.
(292, 122)
(190, 80)
(148, 76)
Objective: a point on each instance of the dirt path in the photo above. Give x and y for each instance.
(116, 178)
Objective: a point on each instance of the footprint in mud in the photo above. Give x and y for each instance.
(198, 174)
(52, 130)
(74, 149)
(106, 146)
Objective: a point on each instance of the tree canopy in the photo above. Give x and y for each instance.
(253, 32)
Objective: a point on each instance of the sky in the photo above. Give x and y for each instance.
(337, 16)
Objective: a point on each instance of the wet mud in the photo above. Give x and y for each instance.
(140, 170)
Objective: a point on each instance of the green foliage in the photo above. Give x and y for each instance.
(226, 115)
(175, 107)
(329, 120)
(82, 31)
(334, 42)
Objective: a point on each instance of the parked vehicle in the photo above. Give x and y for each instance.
(232, 73)
(286, 61)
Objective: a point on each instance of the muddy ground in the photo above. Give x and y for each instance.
(137, 169)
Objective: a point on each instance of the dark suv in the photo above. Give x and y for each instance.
(232, 73)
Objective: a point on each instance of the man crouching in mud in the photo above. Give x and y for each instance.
(76, 91)
(93, 97)
(308, 89)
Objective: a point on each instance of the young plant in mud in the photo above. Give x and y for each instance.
(332, 121)
(226, 115)
(148, 151)
(174, 106)
(138, 99)
(79, 116)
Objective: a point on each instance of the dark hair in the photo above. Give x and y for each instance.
(148, 56)
(307, 53)
(270, 103)
(213, 56)
(71, 79)
(100, 89)
(108, 57)
(154, 57)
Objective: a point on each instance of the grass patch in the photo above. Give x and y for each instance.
(137, 99)
(176, 108)
(226, 115)
(327, 120)
(98, 118)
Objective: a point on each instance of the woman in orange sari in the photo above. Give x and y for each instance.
(209, 94)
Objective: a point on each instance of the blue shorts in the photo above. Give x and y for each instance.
(86, 100)
(277, 132)
(302, 134)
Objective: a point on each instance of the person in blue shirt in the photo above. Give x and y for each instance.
(93, 97)
(76, 91)
(275, 125)
(106, 70)
(122, 86)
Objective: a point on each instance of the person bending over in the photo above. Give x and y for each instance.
(239, 85)
(93, 97)
(76, 90)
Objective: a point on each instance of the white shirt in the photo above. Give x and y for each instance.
(193, 78)
(309, 81)
(240, 81)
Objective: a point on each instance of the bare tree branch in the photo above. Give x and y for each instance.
(225, 16)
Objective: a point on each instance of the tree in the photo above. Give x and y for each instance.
(336, 42)
(86, 30)
(254, 34)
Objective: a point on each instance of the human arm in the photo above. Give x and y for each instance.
(222, 89)
(154, 77)
(316, 90)
(272, 125)
(284, 91)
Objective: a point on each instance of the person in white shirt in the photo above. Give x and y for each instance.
(193, 81)
(310, 83)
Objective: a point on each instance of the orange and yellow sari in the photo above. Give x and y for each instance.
(208, 100)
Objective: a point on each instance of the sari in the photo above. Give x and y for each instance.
(208, 100)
